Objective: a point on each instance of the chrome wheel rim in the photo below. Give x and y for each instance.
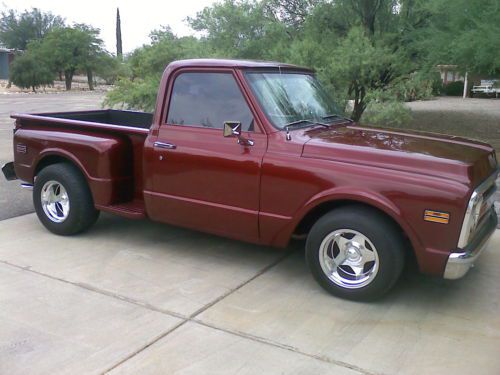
(55, 201)
(348, 258)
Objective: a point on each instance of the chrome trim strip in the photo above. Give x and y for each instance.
(476, 194)
(27, 186)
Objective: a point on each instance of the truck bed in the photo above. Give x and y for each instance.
(107, 146)
(134, 119)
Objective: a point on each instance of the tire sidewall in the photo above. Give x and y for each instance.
(80, 200)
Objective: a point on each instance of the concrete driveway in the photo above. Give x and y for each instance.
(137, 297)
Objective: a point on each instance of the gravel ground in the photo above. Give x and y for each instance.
(490, 107)
(472, 118)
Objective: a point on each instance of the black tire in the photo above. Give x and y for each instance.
(81, 213)
(379, 230)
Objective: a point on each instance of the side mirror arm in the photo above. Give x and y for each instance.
(233, 129)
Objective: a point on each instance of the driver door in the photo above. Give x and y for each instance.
(200, 179)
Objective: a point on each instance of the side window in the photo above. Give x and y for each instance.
(208, 100)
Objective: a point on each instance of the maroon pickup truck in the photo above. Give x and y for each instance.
(257, 151)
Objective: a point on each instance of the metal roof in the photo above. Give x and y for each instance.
(234, 63)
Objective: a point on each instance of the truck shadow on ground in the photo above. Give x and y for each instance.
(412, 288)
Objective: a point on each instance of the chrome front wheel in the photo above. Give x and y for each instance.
(355, 252)
(55, 201)
(349, 258)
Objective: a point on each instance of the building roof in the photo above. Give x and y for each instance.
(3, 49)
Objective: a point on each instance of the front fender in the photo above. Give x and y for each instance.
(351, 194)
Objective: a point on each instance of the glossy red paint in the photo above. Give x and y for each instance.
(262, 193)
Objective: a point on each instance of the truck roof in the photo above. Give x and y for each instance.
(234, 63)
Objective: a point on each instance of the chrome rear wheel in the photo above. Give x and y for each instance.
(63, 200)
(55, 201)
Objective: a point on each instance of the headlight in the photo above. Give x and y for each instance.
(480, 203)
(476, 212)
(471, 219)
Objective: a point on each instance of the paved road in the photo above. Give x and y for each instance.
(136, 297)
(15, 201)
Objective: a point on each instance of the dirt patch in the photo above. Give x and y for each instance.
(471, 118)
(79, 84)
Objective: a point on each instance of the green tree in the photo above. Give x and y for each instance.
(146, 65)
(242, 29)
(70, 49)
(367, 51)
(465, 33)
(357, 47)
(92, 54)
(119, 48)
(17, 30)
(29, 71)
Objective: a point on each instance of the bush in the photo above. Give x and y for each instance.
(386, 113)
(454, 88)
(110, 69)
(417, 86)
(139, 94)
(30, 72)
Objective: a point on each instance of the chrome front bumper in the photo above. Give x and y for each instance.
(460, 262)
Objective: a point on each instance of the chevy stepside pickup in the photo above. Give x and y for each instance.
(258, 152)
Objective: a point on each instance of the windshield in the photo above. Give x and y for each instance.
(291, 97)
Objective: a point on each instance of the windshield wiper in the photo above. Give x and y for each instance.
(332, 116)
(303, 124)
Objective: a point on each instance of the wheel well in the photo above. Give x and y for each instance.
(53, 159)
(312, 216)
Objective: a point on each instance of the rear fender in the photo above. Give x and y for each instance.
(105, 160)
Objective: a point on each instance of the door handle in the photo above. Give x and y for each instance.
(165, 145)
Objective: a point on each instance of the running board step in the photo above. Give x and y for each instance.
(132, 210)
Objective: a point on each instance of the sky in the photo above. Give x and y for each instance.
(138, 17)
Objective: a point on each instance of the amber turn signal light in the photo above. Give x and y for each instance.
(437, 216)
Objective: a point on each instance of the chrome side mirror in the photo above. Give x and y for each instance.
(233, 129)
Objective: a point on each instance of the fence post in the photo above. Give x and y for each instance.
(465, 85)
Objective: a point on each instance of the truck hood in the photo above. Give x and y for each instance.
(456, 158)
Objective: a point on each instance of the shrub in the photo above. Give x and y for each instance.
(110, 69)
(417, 86)
(389, 113)
(28, 71)
(139, 94)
